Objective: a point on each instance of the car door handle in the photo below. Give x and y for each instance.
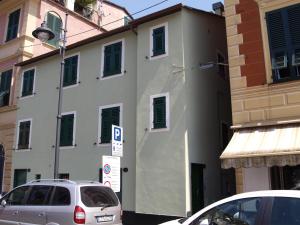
(15, 213)
(42, 214)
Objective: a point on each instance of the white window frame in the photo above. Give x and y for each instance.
(152, 97)
(122, 60)
(78, 69)
(100, 120)
(6, 24)
(30, 134)
(166, 41)
(33, 89)
(74, 130)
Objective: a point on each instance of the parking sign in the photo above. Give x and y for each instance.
(117, 141)
(111, 172)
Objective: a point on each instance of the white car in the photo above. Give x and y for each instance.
(280, 207)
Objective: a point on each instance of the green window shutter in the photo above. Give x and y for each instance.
(24, 135)
(278, 40)
(117, 58)
(159, 113)
(112, 59)
(54, 23)
(159, 41)
(20, 177)
(28, 80)
(284, 38)
(276, 30)
(109, 117)
(5, 84)
(294, 25)
(115, 115)
(105, 124)
(66, 131)
(70, 71)
(13, 25)
(107, 60)
(5, 81)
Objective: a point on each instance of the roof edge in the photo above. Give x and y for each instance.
(134, 23)
(119, 7)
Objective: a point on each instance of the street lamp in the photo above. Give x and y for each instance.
(43, 33)
(204, 66)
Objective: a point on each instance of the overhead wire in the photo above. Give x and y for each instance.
(135, 13)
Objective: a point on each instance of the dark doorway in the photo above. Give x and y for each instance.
(228, 183)
(197, 187)
(2, 158)
(287, 177)
(20, 177)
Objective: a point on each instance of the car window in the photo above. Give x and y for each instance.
(17, 196)
(238, 212)
(98, 196)
(285, 211)
(61, 196)
(39, 195)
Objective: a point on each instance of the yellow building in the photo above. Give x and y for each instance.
(263, 39)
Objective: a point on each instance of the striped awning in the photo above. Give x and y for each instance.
(263, 147)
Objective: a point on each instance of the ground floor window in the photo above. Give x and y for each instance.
(287, 177)
(20, 177)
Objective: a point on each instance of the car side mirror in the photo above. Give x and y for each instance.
(3, 203)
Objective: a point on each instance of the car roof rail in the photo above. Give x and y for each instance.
(52, 180)
(88, 181)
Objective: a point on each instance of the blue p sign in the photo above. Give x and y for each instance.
(117, 134)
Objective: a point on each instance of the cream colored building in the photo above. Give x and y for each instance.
(18, 18)
(264, 61)
(144, 77)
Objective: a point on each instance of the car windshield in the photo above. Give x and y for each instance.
(95, 196)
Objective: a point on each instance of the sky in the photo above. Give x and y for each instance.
(137, 5)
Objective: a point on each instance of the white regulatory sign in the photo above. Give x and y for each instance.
(117, 141)
(111, 172)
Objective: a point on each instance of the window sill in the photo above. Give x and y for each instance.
(67, 147)
(71, 86)
(104, 144)
(111, 76)
(23, 150)
(283, 81)
(8, 108)
(153, 57)
(27, 96)
(52, 47)
(11, 40)
(154, 130)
